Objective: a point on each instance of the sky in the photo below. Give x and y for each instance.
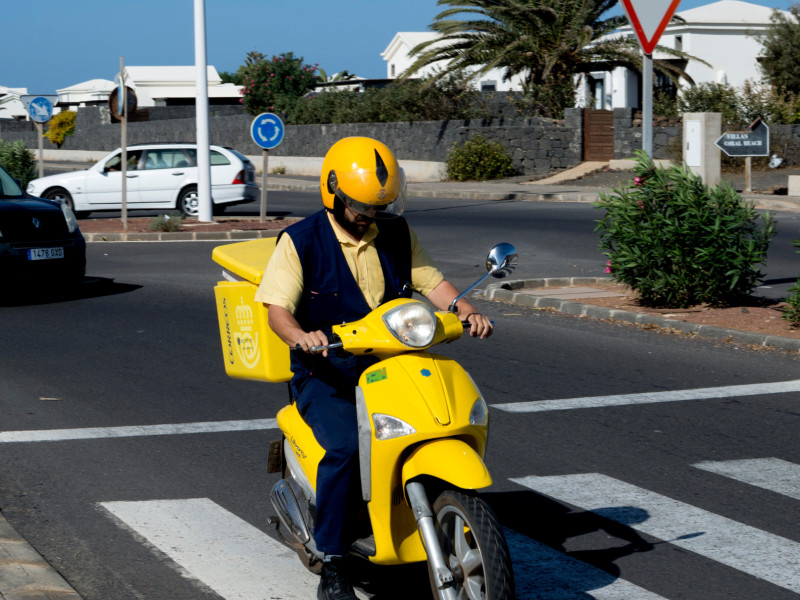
(52, 44)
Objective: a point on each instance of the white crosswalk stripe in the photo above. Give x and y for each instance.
(750, 550)
(728, 391)
(771, 474)
(240, 562)
(214, 546)
(543, 572)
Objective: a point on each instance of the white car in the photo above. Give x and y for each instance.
(158, 176)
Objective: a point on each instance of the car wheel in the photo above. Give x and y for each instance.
(189, 201)
(63, 196)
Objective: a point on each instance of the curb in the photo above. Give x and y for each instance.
(24, 574)
(505, 292)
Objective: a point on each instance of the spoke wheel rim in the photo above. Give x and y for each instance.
(463, 555)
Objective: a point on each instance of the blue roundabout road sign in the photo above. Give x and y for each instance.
(267, 130)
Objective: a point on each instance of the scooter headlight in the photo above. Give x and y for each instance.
(412, 323)
(479, 415)
(388, 427)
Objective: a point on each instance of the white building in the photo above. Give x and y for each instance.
(154, 86)
(11, 106)
(398, 59)
(88, 93)
(170, 86)
(724, 34)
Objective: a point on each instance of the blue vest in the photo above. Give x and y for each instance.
(331, 295)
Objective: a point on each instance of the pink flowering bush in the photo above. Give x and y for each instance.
(678, 242)
(275, 85)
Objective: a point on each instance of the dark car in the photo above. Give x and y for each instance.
(40, 241)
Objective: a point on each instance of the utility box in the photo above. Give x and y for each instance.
(700, 154)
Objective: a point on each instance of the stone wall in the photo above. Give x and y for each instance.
(667, 135)
(538, 146)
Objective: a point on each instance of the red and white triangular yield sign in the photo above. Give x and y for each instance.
(649, 18)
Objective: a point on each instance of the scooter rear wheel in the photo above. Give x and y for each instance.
(474, 547)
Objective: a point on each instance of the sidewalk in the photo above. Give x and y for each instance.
(24, 574)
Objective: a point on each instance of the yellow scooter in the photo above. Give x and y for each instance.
(422, 429)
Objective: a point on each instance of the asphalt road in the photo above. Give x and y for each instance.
(162, 511)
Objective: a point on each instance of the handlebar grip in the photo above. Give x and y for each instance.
(467, 324)
(313, 349)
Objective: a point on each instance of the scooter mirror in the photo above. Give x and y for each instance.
(502, 260)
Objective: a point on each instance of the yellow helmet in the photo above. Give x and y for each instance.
(364, 174)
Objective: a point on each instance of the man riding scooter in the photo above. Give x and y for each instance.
(336, 266)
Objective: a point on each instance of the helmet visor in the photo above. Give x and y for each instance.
(388, 203)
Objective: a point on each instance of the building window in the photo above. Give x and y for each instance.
(488, 86)
(679, 43)
(392, 67)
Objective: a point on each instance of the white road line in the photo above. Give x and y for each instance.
(240, 562)
(732, 391)
(750, 550)
(214, 546)
(772, 474)
(92, 433)
(543, 572)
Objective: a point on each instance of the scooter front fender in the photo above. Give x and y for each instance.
(450, 460)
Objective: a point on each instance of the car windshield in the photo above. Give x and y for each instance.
(9, 188)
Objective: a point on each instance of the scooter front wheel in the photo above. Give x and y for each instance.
(473, 546)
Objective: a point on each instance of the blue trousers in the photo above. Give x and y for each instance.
(325, 397)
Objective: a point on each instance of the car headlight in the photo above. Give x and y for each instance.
(69, 217)
(388, 427)
(479, 415)
(412, 323)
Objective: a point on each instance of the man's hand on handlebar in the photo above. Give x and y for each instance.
(312, 339)
(479, 325)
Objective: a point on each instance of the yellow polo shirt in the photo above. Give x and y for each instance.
(282, 283)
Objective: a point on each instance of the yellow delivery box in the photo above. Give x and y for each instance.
(250, 349)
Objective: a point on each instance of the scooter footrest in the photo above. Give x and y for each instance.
(364, 546)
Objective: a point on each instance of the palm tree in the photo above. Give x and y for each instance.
(546, 42)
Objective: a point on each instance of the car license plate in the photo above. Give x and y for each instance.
(45, 253)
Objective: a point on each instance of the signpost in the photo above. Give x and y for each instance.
(752, 142)
(122, 102)
(40, 110)
(267, 131)
(648, 18)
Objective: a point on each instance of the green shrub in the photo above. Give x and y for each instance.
(678, 242)
(18, 161)
(276, 85)
(479, 159)
(169, 222)
(417, 100)
(712, 97)
(792, 312)
(60, 126)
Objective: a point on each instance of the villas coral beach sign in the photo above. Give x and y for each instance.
(649, 18)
